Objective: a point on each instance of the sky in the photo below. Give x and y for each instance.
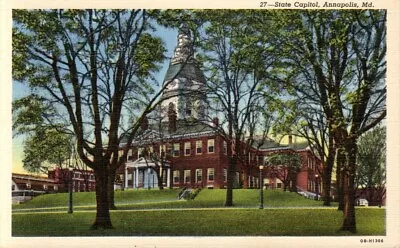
(19, 90)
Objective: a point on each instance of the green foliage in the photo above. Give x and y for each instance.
(83, 69)
(29, 113)
(285, 160)
(371, 158)
(46, 148)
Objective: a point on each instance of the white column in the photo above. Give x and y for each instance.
(126, 177)
(137, 177)
(133, 177)
(168, 177)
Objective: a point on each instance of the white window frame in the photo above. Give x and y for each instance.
(188, 148)
(176, 175)
(185, 172)
(210, 172)
(199, 173)
(176, 149)
(199, 145)
(211, 144)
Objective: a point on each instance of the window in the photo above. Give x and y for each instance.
(225, 148)
(130, 155)
(279, 185)
(176, 149)
(188, 147)
(169, 149)
(199, 175)
(140, 152)
(210, 145)
(199, 145)
(225, 175)
(186, 174)
(176, 176)
(210, 174)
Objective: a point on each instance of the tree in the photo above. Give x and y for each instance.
(256, 135)
(285, 167)
(234, 65)
(371, 164)
(314, 127)
(46, 148)
(338, 58)
(92, 68)
(160, 158)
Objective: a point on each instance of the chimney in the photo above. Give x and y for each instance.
(144, 123)
(171, 120)
(215, 122)
(290, 139)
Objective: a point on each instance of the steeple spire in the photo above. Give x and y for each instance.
(184, 50)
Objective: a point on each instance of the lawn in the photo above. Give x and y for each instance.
(160, 213)
(89, 198)
(155, 199)
(201, 222)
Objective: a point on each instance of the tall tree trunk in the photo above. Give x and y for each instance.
(110, 187)
(340, 160)
(349, 222)
(327, 173)
(326, 185)
(230, 180)
(103, 219)
(160, 178)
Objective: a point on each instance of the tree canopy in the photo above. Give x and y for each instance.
(92, 71)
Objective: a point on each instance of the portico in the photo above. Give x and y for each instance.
(144, 174)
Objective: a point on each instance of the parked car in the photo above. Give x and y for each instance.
(362, 202)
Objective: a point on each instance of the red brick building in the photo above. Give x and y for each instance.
(195, 156)
(31, 182)
(183, 152)
(82, 180)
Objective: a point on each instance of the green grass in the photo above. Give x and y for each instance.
(154, 199)
(161, 214)
(89, 198)
(201, 222)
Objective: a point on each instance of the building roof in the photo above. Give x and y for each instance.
(265, 144)
(188, 71)
(21, 177)
(185, 128)
(183, 64)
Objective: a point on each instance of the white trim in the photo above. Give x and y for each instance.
(141, 163)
